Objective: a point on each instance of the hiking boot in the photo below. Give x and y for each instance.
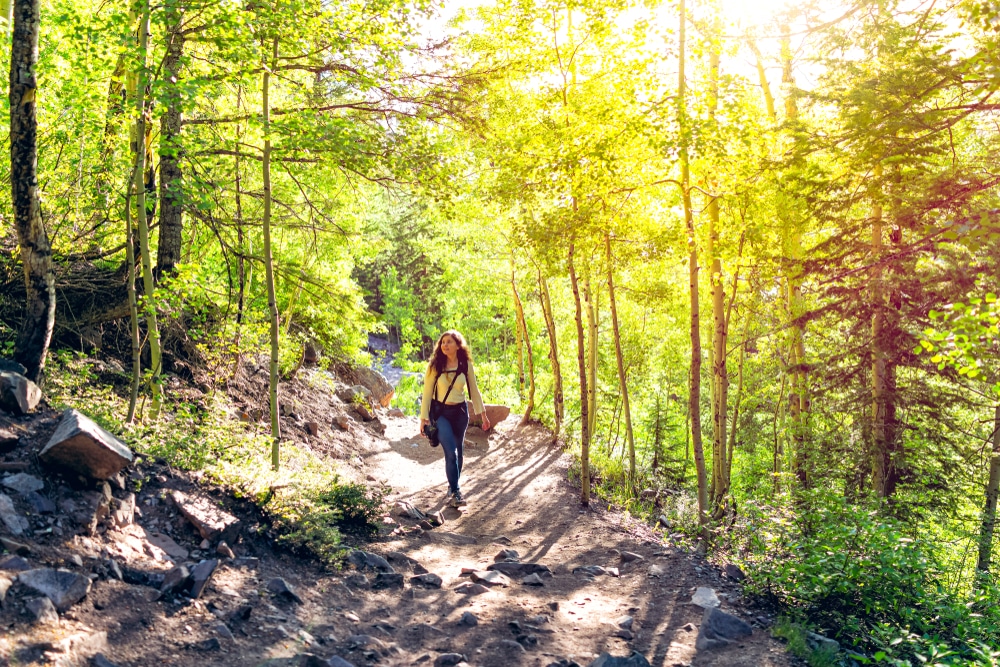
(457, 500)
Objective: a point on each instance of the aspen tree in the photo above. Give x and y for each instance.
(272, 300)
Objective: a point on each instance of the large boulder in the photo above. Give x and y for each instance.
(496, 413)
(18, 394)
(81, 445)
(380, 388)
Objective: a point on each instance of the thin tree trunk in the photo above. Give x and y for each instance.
(582, 363)
(272, 301)
(153, 332)
(720, 371)
(244, 275)
(739, 395)
(622, 380)
(779, 451)
(35, 333)
(590, 297)
(518, 338)
(522, 333)
(550, 326)
(133, 308)
(764, 85)
(694, 389)
(171, 183)
(990, 509)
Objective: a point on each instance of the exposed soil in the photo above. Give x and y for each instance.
(519, 499)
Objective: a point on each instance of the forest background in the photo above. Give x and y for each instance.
(742, 259)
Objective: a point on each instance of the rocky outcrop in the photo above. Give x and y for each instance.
(79, 444)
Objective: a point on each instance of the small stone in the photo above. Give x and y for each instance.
(224, 551)
(211, 644)
(357, 580)
(200, 576)
(820, 643)
(13, 563)
(42, 610)
(23, 483)
(212, 522)
(490, 578)
(425, 524)
(623, 633)
(8, 440)
(719, 629)
(18, 394)
(469, 588)
(175, 580)
(636, 659)
(533, 580)
(281, 588)
(64, 588)
(468, 619)
(592, 570)
(506, 554)
(39, 503)
(5, 585)
(448, 659)
(337, 661)
(511, 646)
(247, 562)
(705, 598)
(223, 630)
(100, 661)
(629, 557)
(205, 544)
(665, 522)
(734, 572)
(76, 560)
(429, 580)
(312, 428)
(14, 547)
(11, 518)
(656, 571)
(516, 569)
(436, 519)
(360, 641)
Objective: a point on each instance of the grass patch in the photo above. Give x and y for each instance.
(797, 638)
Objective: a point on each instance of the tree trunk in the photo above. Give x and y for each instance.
(36, 254)
(133, 308)
(694, 388)
(582, 364)
(720, 371)
(737, 404)
(990, 509)
(522, 334)
(153, 332)
(550, 326)
(171, 184)
(622, 380)
(272, 301)
(589, 298)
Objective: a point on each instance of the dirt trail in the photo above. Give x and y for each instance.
(519, 498)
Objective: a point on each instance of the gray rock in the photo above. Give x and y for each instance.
(705, 598)
(175, 580)
(224, 551)
(78, 648)
(629, 557)
(11, 366)
(40, 503)
(428, 580)
(5, 585)
(247, 562)
(468, 619)
(734, 572)
(448, 659)
(64, 588)
(623, 633)
(337, 661)
(592, 570)
(281, 588)
(406, 509)
(212, 522)
(13, 563)
(625, 622)
(820, 643)
(15, 547)
(387, 580)
(357, 580)
(23, 483)
(114, 570)
(360, 641)
(210, 644)
(200, 576)
(81, 445)
(18, 394)
(42, 610)
(223, 630)
(514, 569)
(532, 580)
(75, 559)
(656, 571)
(510, 646)
(719, 629)
(125, 514)
(636, 659)
(8, 440)
(11, 518)
(100, 661)
(665, 522)
(506, 554)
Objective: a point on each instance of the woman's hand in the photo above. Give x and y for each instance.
(486, 423)
(423, 423)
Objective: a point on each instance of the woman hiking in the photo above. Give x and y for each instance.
(444, 414)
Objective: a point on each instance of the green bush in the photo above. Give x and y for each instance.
(853, 573)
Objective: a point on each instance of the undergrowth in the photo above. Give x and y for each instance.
(308, 504)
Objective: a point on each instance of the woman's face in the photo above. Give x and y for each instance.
(449, 346)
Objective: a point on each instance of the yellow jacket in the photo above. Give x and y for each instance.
(457, 394)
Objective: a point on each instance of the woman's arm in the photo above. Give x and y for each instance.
(477, 398)
(430, 378)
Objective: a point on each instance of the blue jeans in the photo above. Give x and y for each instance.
(452, 423)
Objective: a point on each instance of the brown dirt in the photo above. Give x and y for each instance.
(519, 498)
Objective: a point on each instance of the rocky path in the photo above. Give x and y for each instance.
(134, 582)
